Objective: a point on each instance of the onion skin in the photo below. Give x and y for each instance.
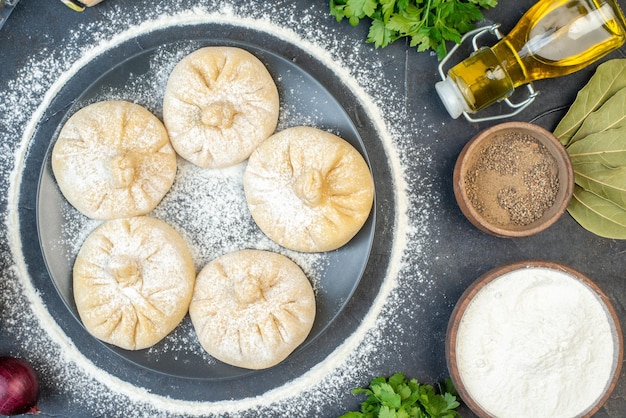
(19, 387)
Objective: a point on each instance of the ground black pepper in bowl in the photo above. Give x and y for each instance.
(515, 179)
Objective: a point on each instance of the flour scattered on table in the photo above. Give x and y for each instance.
(65, 371)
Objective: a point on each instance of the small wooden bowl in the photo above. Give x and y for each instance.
(471, 153)
(453, 336)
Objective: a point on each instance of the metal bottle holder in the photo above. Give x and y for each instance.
(475, 34)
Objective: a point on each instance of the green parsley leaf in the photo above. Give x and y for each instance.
(386, 412)
(336, 9)
(428, 23)
(387, 8)
(379, 34)
(386, 395)
(353, 414)
(398, 397)
(360, 8)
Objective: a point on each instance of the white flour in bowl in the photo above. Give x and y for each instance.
(535, 342)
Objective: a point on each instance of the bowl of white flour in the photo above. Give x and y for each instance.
(534, 339)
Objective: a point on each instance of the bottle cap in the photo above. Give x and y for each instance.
(451, 97)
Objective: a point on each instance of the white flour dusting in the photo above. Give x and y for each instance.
(74, 376)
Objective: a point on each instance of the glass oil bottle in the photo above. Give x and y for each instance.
(554, 38)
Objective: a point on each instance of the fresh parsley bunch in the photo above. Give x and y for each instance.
(428, 23)
(398, 397)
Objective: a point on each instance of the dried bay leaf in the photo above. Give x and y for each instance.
(607, 147)
(609, 78)
(594, 133)
(611, 115)
(605, 182)
(597, 215)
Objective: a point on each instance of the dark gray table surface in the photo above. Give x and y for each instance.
(444, 253)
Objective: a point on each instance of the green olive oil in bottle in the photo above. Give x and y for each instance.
(554, 38)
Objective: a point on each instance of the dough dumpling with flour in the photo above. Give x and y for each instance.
(133, 281)
(252, 308)
(308, 190)
(113, 159)
(219, 104)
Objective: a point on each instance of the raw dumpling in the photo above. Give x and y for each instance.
(133, 281)
(113, 159)
(252, 308)
(219, 104)
(308, 190)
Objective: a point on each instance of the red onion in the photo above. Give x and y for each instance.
(19, 387)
